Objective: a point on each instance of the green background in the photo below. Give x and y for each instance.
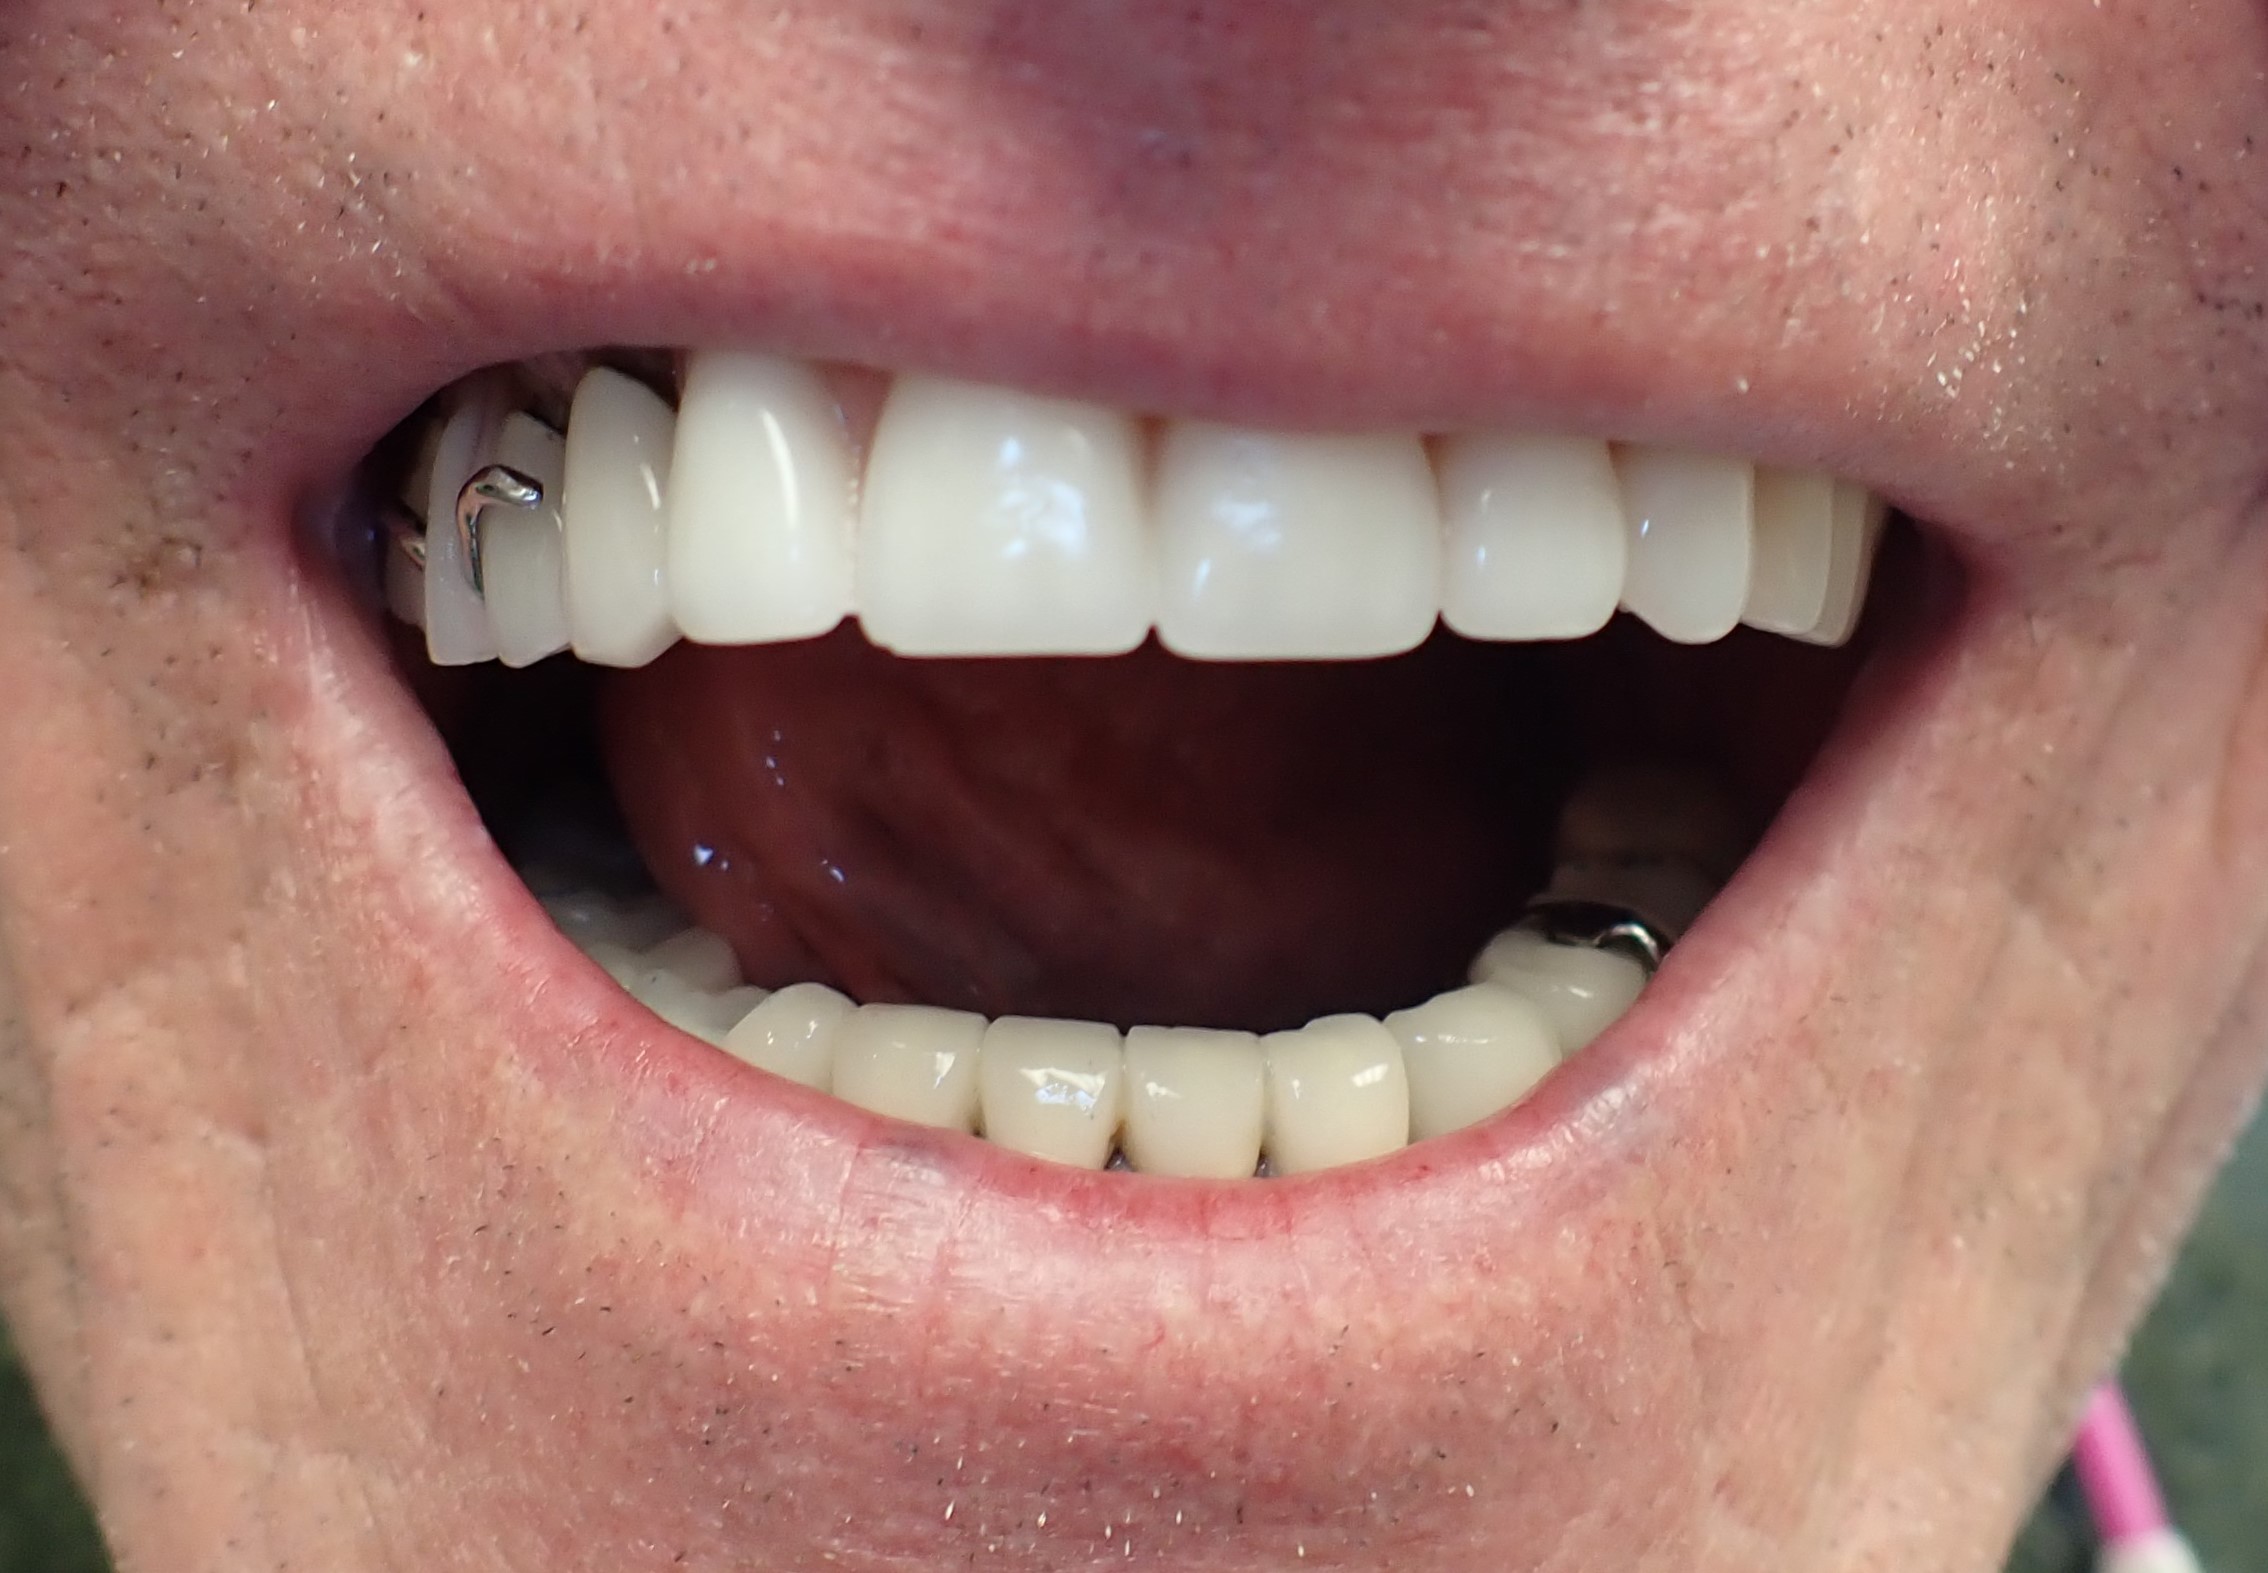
(2199, 1378)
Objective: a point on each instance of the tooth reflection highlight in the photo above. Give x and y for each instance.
(1002, 523)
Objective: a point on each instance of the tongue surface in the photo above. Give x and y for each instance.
(1133, 840)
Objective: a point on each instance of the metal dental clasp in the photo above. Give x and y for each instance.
(1598, 925)
(498, 483)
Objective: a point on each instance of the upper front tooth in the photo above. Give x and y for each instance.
(1795, 535)
(1337, 1093)
(1002, 523)
(759, 502)
(1470, 1053)
(911, 1062)
(1691, 539)
(1053, 1089)
(1859, 516)
(522, 553)
(619, 438)
(1286, 546)
(1536, 543)
(1195, 1102)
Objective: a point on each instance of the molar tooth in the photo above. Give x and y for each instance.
(1283, 546)
(698, 957)
(759, 502)
(522, 554)
(1859, 516)
(1002, 523)
(1337, 1093)
(456, 623)
(1053, 1089)
(707, 1014)
(1195, 1102)
(911, 1062)
(619, 438)
(1692, 538)
(588, 916)
(1580, 991)
(1470, 1053)
(793, 1033)
(1795, 534)
(1536, 545)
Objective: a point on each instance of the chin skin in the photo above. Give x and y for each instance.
(350, 1222)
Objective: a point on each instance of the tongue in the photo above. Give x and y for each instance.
(1133, 840)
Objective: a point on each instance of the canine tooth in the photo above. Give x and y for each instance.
(1053, 1089)
(619, 437)
(1691, 539)
(456, 623)
(911, 1062)
(1859, 516)
(1535, 544)
(1470, 1053)
(1580, 991)
(1283, 546)
(1195, 1102)
(759, 502)
(792, 1033)
(1337, 1093)
(522, 555)
(1795, 534)
(1002, 523)
(698, 957)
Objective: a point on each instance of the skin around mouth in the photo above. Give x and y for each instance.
(352, 1222)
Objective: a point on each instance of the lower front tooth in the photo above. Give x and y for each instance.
(619, 439)
(911, 1062)
(1283, 546)
(1536, 546)
(1470, 1053)
(1337, 1094)
(1053, 1089)
(522, 553)
(1196, 1101)
(792, 1033)
(1692, 539)
(1580, 991)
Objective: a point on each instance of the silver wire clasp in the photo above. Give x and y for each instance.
(499, 483)
(1598, 925)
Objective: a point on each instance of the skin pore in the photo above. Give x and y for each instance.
(344, 1222)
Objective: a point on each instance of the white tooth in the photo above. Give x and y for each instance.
(911, 1062)
(1859, 516)
(792, 1033)
(619, 436)
(1469, 1053)
(1535, 538)
(1195, 1102)
(1053, 1089)
(588, 916)
(1691, 539)
(618, 961)
(1580, 991)
(1795, 535)
(1282, 546)
(697, 957)
(456, 623)
(1337, 1093)
(1002, 523)
(709, 1015)
(522, 556)
(405, 587)
(759, 502)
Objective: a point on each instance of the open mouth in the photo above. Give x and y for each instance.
(1124, 791)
